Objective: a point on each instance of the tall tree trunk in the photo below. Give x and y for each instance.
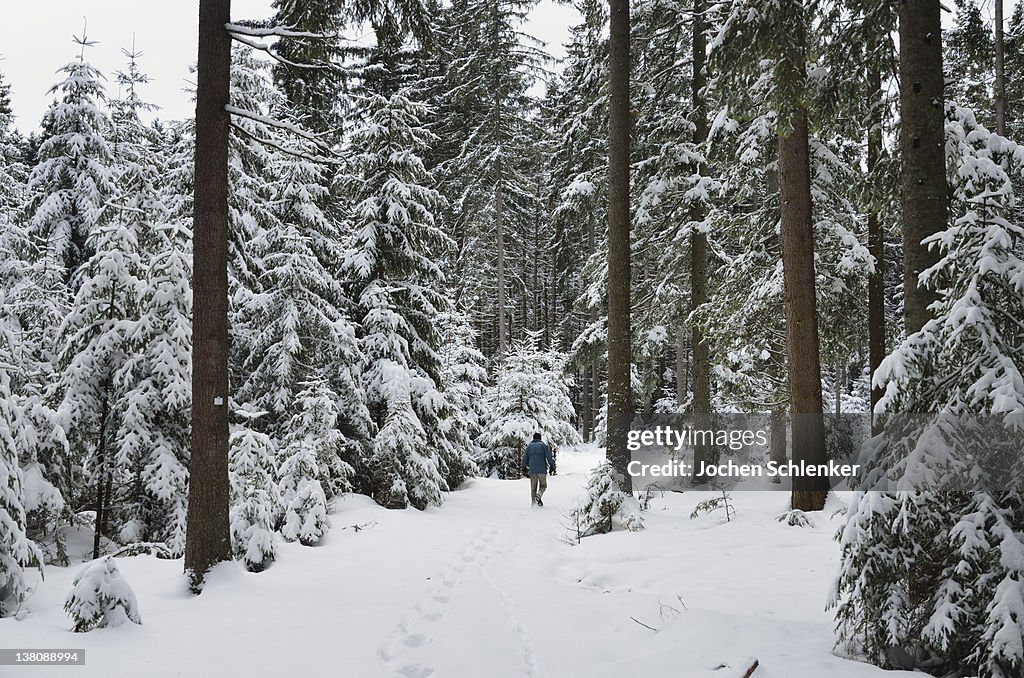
(876, 246)
(922, 146)
(585, 406)
(499, 228)
(702, 452)
(1000, 85)
(682, 383)
(620, 408)
(593, 405)
(207, 537)
(809, 493)
(839, 388)
(778, 438)
(102, 473)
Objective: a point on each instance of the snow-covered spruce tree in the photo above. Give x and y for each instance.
(313, 91)
(255, 499)
(302, 494)
(13, 172)
(152, 440)
(94, 350)
(969, 58)
(36, 440)
(397, 286)
(250, 194)
(602, 503)
(316, 426)
(69, 187)
(101, 597)
(530, 395)
(931, 575)
(463, 370)
(294, 328)
(68, 218)
(483, 158)
(17, 552)
(287, 305)
(155, 434)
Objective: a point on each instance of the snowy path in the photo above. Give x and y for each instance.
(484, 586)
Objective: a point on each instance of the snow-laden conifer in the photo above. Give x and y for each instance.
(255, 499)
(932, 573)
(101, 597)
(530, 395)
(603, 504)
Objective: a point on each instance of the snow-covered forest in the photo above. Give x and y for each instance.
(333, 307)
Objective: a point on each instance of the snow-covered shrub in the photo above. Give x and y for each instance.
(305, 518)
(932, 574)
(101, 597)
(530, 395)
(255, 502)
(315, 428)
(595, 512)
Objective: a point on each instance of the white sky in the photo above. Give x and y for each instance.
(36, 41)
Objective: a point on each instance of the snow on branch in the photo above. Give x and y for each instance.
(289, 151)
(278, 31)
(274, 55)
(280, 124)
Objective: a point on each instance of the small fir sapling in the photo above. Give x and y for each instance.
(255, 503)
(305, 517)
(101, 597)
(594, 513)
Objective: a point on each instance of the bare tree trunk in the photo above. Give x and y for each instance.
(682, 383)
(922, 146)
(593, 404)
(702, 453)
(778, 438)
(1000, 85)
(809, 493)
(499, 228)
(102, 473)
(620, 408)
(839, 389)
(876, 246)
(585, 406)
(207, 538)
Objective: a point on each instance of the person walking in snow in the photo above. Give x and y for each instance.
(537, 461)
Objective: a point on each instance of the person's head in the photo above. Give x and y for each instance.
(536, 436)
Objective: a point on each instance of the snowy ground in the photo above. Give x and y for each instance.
(484, 586)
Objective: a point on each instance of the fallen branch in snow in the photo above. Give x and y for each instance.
(746, 674)
(359, 527)
(144, 548)
(663, 608)
(643, 624)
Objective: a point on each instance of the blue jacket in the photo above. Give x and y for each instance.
(537, 457)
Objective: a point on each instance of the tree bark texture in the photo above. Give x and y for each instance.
(207, 539)
(619, 348)
(922, 146)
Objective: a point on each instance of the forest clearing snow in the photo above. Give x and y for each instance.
(485, 586)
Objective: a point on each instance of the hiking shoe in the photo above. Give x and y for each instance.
(539, 502)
